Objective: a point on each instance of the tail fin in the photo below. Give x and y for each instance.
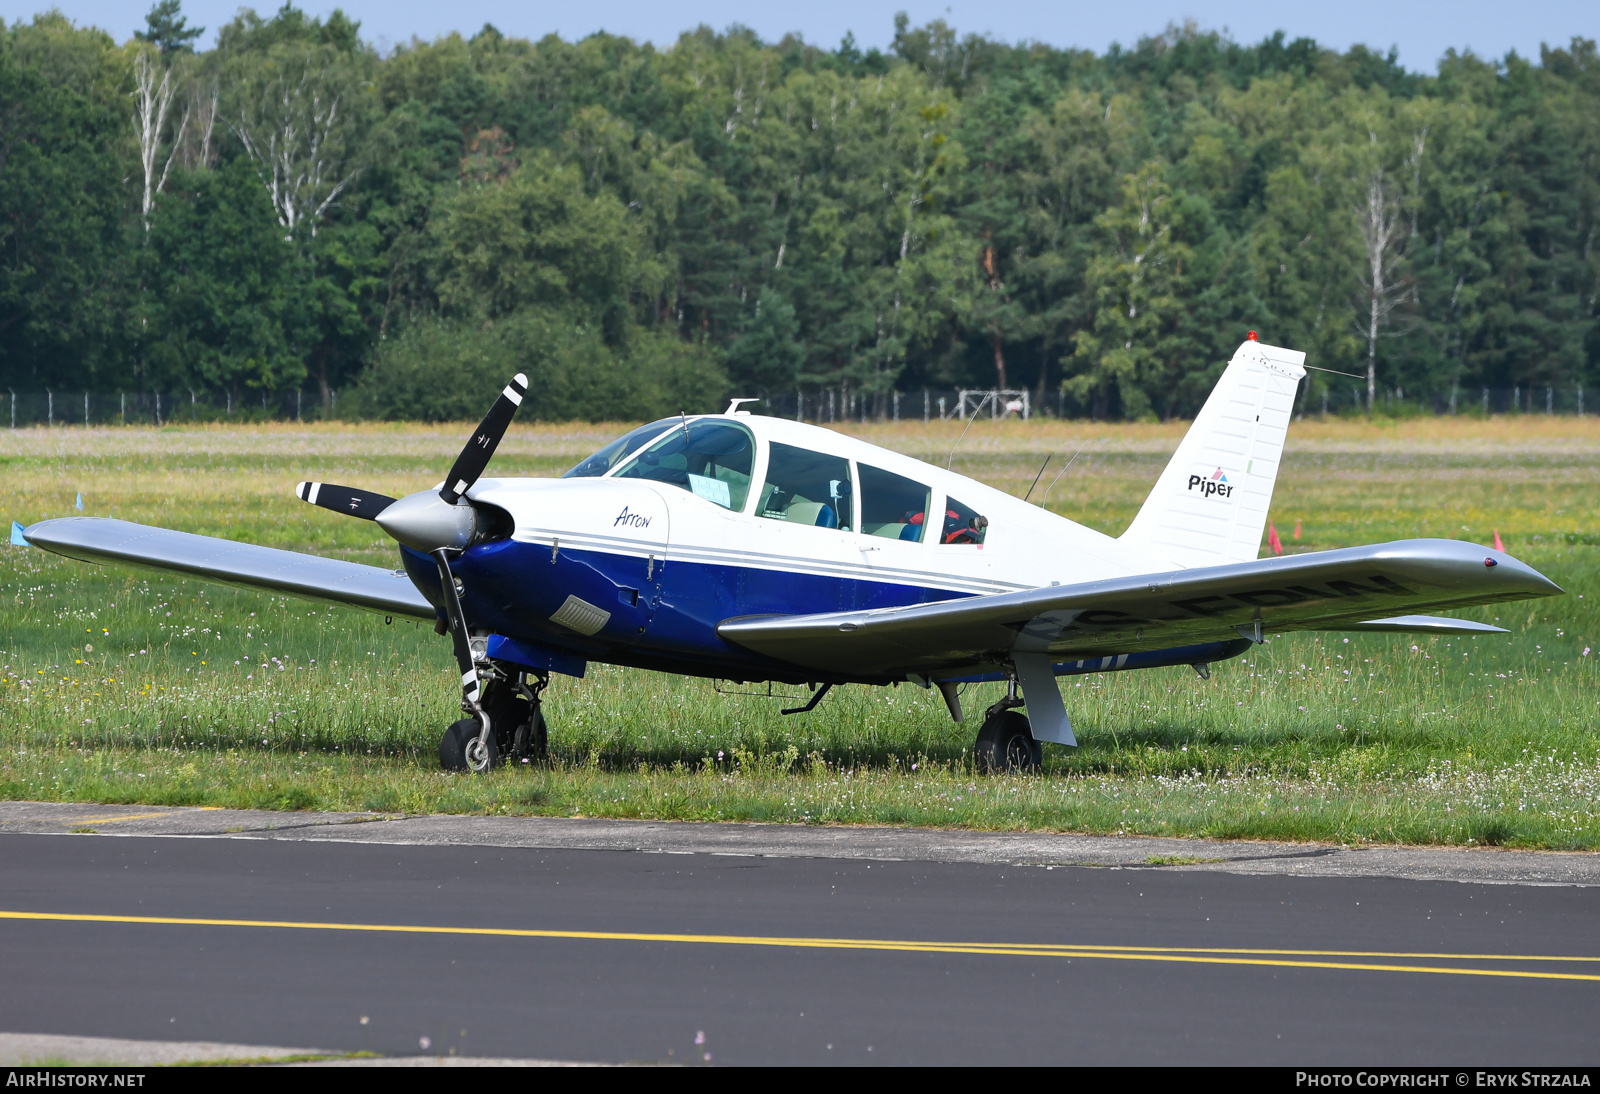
(1210, 504)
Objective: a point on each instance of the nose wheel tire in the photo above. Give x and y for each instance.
(480, 753)
(459, 748)
(1006, 744)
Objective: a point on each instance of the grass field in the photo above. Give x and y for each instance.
(122, 686)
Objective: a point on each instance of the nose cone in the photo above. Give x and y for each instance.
(427, 522)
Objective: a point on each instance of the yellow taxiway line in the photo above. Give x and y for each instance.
(1299, 959)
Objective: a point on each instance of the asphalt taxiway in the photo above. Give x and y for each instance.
(749, 944)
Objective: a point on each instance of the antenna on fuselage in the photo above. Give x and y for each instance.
(1057, 479)
(1039, 476)
(959, 439)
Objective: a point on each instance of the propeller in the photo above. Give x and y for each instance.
(475, 456)
(344, 499)
(430, 521)
(441, 524)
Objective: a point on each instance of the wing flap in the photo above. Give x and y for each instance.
(101, 539)
(1328, 590)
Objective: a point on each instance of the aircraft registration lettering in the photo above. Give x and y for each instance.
(1219, 603)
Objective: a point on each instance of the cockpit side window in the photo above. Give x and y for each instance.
(619, 450)
(710, 458)
(962, 524)
(892, 506)
(805, 487)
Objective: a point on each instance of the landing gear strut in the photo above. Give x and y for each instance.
(504, 715)
(511, 702)
(1006, 742)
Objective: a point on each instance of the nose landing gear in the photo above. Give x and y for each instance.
(516, 717)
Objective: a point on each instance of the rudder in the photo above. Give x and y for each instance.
(1210, 504)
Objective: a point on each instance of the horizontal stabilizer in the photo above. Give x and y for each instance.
(101, 539)
(1421, 624)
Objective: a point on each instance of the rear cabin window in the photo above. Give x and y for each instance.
(892, 506)
(618, 450)
(805, 487)
(962, 524)
(710, 458)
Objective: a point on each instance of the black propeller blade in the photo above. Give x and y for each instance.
(344, 499)
(475, 456)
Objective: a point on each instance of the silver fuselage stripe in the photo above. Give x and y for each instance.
(780, 563)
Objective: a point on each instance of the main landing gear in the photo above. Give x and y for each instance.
(1006, 742)
(516, 726)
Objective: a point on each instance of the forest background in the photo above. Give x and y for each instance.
(646, 231)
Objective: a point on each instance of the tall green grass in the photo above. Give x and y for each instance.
(123, 686)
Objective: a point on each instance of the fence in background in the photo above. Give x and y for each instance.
(841, 405)
(30, 408)
(822, 406)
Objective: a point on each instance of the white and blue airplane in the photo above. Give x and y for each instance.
(752, 549)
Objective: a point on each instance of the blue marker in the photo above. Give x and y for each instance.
(80, 501)
(17, 539)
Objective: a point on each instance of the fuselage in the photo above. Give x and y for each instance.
(639, 565)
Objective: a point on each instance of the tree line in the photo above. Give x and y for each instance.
(644, 231)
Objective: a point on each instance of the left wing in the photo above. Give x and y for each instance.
(1359, 588)
(100, 539)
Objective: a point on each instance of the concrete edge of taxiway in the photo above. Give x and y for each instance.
(21, 1050)
(1482, 865)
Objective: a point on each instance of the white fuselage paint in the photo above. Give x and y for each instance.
(1025, 546)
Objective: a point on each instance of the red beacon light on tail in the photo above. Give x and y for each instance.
(1251, 337)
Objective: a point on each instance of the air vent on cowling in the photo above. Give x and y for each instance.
(581, 616)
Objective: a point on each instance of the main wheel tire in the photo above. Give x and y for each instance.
(532, 741)
(1006, 744)
(453, 746)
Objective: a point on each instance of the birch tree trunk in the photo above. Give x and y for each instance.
(152, 102)
(1378, 221)
(293, 127)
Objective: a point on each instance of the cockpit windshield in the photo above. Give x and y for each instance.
(710, 457)
(619, 450)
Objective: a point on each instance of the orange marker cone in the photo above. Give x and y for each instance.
(1272, 539)
(1296, 529)
(1498, 546)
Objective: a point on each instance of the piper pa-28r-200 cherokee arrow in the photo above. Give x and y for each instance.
(753, 549)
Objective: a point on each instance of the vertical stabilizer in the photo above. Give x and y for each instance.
(1210, 504)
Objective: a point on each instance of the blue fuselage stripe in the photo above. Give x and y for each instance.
(664, 615)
